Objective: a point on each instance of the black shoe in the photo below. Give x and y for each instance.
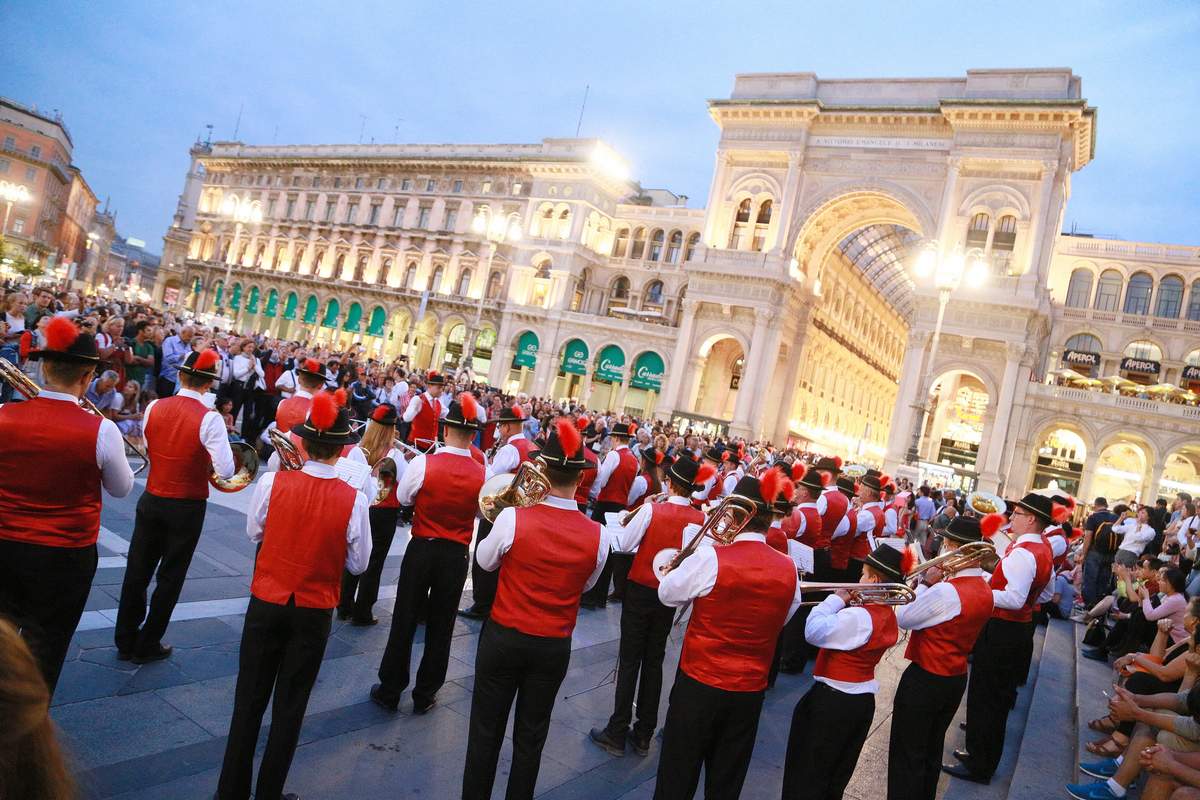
(290, 796)
(963, 756)
(641, 745)
(591, 604)
(124, 655)
(615, 598)
(1094, 655)
(608, 742)
(474, 612)
(364, 623)
(157, 654)
(964, 773)
(422, 708)
(791, 669)
(383, 699)
(344, 613)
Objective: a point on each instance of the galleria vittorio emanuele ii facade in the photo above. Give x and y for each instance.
(879, 270)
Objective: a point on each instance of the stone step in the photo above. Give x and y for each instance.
(1092, 680)
(1046, 758)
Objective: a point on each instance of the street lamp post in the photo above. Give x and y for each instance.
(242, 212)
(11, 193)
(947, 271)
(497, 229)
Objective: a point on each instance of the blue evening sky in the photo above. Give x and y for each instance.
(137, 82)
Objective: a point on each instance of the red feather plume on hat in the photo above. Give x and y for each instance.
(1059, 513)
(798, 471)
(824, 478)
(431, 375)
(470, 409)
(517, 412)
(339, 397)
(768, 486)
(582, 421)
(884, 480)
(312, 365)
(61, 333)
(908, 560)
(26, 344)
(991, 523)
(632, 428)
(705, 472)
(787, 489)
(568, 436)
(380, 412)
(323, 412)
(838, 460)
(205, 361)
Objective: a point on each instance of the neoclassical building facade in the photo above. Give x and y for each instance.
(878, 272)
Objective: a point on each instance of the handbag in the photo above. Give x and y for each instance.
(1096, 633)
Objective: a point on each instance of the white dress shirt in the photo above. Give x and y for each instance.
(507, 459)
(409, 483)
(490, 552)
(702, 493)
(213, 435)
(358, 532)
(414, 405)
(866, 521)
(399, 392)
(696, 576)
(638, 488)
(1136, 536)
(1020, 568)
(934, 604)
(730, 482)
(1058, 545)
(244, 366)
(627, 538)
(286, 383)
(606, 469)
(891, 522)
(833, 625)
(116, 476)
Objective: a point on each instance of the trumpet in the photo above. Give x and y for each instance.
(17, 379)
(723, 525)
(972, 554)
(528, 486)
(411, 451)
(887, 594)
(290, 457)
(628, 515)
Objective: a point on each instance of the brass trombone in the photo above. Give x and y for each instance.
(723, 525)
(17, 379)
(528, 486)
(887, 594)
(971, 554)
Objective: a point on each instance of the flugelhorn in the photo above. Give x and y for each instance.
(14, 377)
(528, 486)
(723, 525)
(971, 554)
(886, 594)
(290, 457)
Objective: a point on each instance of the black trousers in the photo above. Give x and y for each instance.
(645, 626)
(925, 706)
(794, 649)
(992, 690)
(435, 569)
(598, 594)
(43, 591)
(483, 582)
(165, 534)
(281, 652)
(359, 592)
(710, 728)
(511, 665)
(828, 730)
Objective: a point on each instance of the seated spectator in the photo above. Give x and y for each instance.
(104, 395)
(1063, 602)
(129, 415)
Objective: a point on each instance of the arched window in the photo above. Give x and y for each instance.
(639, 244)
(761, 223)
(1193, 359)
(564, 224)
(385, 270)
(1170, 297)
(741, 222)
(241, 256)
(654, 294)
(978, 231)
(689, 252)
(493, 286)
(464, 282)
(435, 282)
(1193, 309)
(656, 245)
(1006, 234)
(410, 276)
(620, 243)
(764, 213)
(674, 245)
(743, 211)
(259, 255)
(277, 258)
(361, 269)
(297, 258)
(577, 296)
(1137, 296)
(546, 222)
(338, 264)
(1108, 291)
(1079, 289)
(1143, 350)
(1084, 342)
(620, 289)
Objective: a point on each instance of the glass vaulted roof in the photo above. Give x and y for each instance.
(883, 253)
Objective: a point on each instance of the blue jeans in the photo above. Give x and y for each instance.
(1097, 577)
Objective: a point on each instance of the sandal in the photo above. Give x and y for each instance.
(1105, 724)
(1107, 748)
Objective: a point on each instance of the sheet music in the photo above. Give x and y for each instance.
(357, 475)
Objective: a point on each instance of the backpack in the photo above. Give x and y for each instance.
(1105, 541)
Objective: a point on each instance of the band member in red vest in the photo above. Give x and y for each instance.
(832, 505)
(741, 596)
(869, 521)
(648, 482)
(514, 450)
(712, 488)
(610, 492)
(589, 475)
(359, 592)
(550, 553)
(832, 720)
(311, 525)
(48, 525)
(646, 622)
(998, 662)
(310, 379)
(842, 536)
(805, 526)
(443, 489)
(185, 440)
(945, 621)
(424, 411)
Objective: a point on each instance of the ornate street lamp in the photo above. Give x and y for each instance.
(242, 212)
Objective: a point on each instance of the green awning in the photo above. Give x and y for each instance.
(610, 364)
(220, 296)
(527, 347)
(252, 301)
(353, 318)
(310, 310)
(575, 356)
(648, 372)
(378, 321)
(235, 298)
(332, 309)
(273, 304)
(289, 306)
(196, 284)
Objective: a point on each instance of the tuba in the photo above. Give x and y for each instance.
(723, 525)
(245, 463)
(972, 554)
(887, 594)
(290, 456)
(528, 486)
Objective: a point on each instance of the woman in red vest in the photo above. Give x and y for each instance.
(646, 622)
(550, 553)
(310, 379)
(424, 411)
(741, 595)
(821, 756)
(443, 490)
(945, 621)
(311, 525)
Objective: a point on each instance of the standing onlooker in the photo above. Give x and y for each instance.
(1136, 533)
(247, 377)
(174, 350)
(925, 510)
(141, 356)
(1096, 555)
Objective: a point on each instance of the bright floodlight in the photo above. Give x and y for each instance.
(606, 160)
(926, 261)
(479, 224)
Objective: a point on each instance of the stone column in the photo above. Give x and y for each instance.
(671, 400)
(747, 390)
(948, 210)
(585, 385)
(989, 475)
(787, 203)
(501, 362)
(543, 373)
(900, 431)
(622, 390)
(691, 384)
(768, 366)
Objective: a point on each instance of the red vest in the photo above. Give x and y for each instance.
(1045, 569)
(718, 487)
(424, 428)
(445, 505)
(858, 665)
(730, 640)
(304, 541)
(942, 649)
(524, 447)
(667, 521)
(777, 539)
(653, 487)
(836, 506)
(814, 533)
(1060, 559)
(49, 478)
(861, 548)
(621, 480)
(589, 476)
(477, 454)
(543, 574)
(839, 549)
(179, 462)
(291, 412)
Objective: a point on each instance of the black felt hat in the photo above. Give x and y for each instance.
(463, 413)
(564, 447)
(511, 413)
(328, 420)
(65, 342)
(888, 561)
(312, 368)
(847, 486)
(625, 429)
(832, 465)
(385, 414)
(205, 364)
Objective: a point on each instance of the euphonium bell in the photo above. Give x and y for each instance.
(723, 525)
(971, 554)
(245, 463)
(290, 456)
(528, 486)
